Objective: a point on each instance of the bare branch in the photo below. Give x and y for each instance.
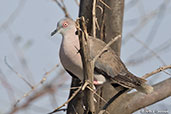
(62, 6)
(37, 85)
(155, 27)
(73, 95)
(107, 46)
(156, 71)
(19, 75)
(13, 15)
(8, 87)
(124, 90)
(94, 18)
(105, 4)
(151, 51)
(162, 90)
(144, 20)
(43, 91)
(145, 57)
(76, 1)
(131, 102)
(88, 65)
(97, 94)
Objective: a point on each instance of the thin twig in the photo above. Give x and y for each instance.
(105, 4)
(107, 46)
(19, 75)
(101, 9)
(85, 85)
(62, 6)
(155, 26)
(8, 87)
(143, 22)
(144, 58)
(94, 18)
(151, 51)
(97, 24)
(36, 95)
(9, 21)
(97, 94)
(76, 1)
(156, 71)
(35, 86)
(74, 109)
(73, 95)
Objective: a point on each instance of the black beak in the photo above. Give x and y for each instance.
(54, 32)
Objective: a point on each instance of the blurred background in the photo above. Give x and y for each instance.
(32, 80)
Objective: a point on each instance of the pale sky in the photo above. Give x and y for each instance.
(27, 34)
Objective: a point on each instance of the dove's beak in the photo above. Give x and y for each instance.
(57, 30)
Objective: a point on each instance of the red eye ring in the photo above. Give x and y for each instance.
(65, 24)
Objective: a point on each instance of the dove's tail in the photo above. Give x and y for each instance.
(133, 82)
(145, 88)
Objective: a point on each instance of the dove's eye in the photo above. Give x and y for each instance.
(65, 24)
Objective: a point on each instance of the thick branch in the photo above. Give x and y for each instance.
(129, 103)
(162, 90)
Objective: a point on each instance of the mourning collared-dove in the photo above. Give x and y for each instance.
(108, 67)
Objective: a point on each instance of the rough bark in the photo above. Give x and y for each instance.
(129, 103)
(88, 68)
(110, 23)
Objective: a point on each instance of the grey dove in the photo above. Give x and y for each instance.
(108, 67)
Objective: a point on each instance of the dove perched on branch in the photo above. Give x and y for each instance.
(108, 66)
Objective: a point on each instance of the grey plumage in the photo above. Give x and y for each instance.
(108, 67)
(113, 68)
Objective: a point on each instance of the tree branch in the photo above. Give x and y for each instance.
(126, 102)
(157, 71)
(88, 66)
(105, 48)
(129, 103)
(62, 7)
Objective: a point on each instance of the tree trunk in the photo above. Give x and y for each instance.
(109, 16)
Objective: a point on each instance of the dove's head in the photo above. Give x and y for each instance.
(64, 26)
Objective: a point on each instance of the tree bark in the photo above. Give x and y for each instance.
(110, 23)
(129, 103)
(88, 67)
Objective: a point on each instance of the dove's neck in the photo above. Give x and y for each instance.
(70, 41)
(70, 37)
